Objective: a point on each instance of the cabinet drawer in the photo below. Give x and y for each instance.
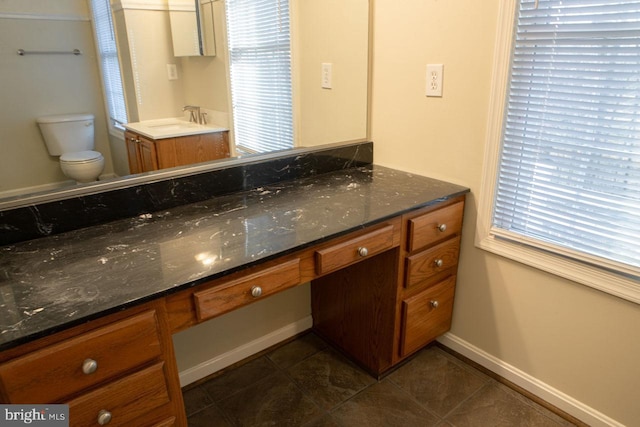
(426, 316)
(125, 399)
(234, 294)
(54, 372)
(435, 226)
(353, 250)
(432, 265)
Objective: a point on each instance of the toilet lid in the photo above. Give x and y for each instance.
(81, 157)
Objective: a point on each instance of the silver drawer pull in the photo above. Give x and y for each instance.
(362, 251)
(439, 263)
(256, 291)
(104, 417)
(434, 303)
(89, 366)
(442, 228)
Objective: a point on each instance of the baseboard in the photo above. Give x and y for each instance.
(221, 361)
(544, 391)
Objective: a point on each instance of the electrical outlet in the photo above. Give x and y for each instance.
(326, 75)
(434, 79)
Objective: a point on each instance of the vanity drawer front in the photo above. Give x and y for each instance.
(353, 250)
(54, 372)
(426, 316)
(435, 226)
(432, 265)
(125, 399)
(236, 293)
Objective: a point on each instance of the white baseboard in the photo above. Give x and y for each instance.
(544, 391)
(221, 361)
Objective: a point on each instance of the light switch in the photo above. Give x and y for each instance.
(326, 75)
(172, 72)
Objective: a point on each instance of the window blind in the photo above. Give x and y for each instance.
(260, 69)
(569, 173)
(110, 67)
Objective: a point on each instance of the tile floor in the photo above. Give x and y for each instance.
(307, 383)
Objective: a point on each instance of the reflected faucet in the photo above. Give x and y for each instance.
(195, 116)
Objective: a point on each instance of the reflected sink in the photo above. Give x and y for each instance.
(174, 124)
(171, 128)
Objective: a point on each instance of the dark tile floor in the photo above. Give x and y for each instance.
(307, 383)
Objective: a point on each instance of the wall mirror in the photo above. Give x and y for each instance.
(49, 79)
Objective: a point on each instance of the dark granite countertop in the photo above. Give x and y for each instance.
(56, 282)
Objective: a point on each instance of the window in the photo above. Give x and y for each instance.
(562, 172)
(109, 65)
(260, 68)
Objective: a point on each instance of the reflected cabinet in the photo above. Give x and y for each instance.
(146, 154)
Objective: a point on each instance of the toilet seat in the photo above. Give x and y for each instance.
(81, 157)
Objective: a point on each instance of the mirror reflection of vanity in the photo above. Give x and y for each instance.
(44, 84)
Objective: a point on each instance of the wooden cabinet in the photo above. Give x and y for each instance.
(353, 250)
(120, 368)
(396, 299)
(123, 400)
(237, 293)
(428, 283)
(426, 315)
(379, 294)
(147, 154)
(82, 361)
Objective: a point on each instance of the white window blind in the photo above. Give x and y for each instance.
(109, 65)
(569, 170)
(260, 68)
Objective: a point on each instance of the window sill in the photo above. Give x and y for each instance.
(116, 132)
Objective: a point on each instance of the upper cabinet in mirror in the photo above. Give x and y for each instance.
(192, 27)
(159, 82)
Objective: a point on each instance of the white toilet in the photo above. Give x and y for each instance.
(71, 137)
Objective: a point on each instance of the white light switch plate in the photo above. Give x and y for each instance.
(172, 72)
(327, 71)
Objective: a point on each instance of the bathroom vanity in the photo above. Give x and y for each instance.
(167, 143)
(88, 314)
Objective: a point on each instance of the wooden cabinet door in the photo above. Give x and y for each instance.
(148, 155)
(131, 141)
(426, 316)
(199, 148)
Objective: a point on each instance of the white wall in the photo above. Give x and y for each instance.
(574, 339)
(37, 85)
(145, 35)
(144, 39)
(205, 78)
(335, 32)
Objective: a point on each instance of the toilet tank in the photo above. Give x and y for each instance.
(67, 133)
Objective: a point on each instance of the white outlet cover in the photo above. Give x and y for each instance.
(434, 79)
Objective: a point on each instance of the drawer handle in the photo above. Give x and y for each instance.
(434, 303)
(104, 417)
(439, 263)
(442, 228)
(362, 251)
(256, 291)
(89, 366)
